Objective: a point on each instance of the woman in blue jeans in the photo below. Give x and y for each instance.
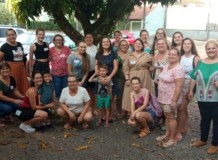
(58, 56)
(10, 97)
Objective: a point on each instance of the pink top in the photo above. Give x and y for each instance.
(139, 100)
(166, 84)
(59, 60)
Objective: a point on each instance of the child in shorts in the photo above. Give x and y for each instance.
(103, 94)
(46, 95)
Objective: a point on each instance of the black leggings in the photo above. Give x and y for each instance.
(209, 112)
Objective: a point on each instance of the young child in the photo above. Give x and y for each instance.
(46, 95)
(104, 93)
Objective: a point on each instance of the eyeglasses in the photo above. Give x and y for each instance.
(59, 40)
(72, 81)
(160, 33)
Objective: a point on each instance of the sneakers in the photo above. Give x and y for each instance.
(212, 149)
(198, 143)
(26, 128)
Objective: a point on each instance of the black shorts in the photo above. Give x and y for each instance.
(90, 85)
(26, 114)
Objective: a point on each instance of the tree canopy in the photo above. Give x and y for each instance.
(98, 17)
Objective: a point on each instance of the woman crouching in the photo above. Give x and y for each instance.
(141, 115)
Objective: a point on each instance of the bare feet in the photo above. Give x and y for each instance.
(67, 126)
(85, 125)
(106, 125)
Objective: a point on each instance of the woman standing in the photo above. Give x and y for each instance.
(40, 50)
(78, 64)
(31, 112)
(108, 57)
(177, 40)
(137, 64)
(58, 56)
(141, 115)
(160, 60)
(188, 61)
(205, 76)
(91, 50)
(117, 36)
(12, 52)
(10, 97)
(144, 35)
(122, 56)
(169, 95)
(160, 33)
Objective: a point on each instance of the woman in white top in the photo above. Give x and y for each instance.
(189, 61)
(91, 50)
(75, 104)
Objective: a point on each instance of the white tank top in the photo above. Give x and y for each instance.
(187, 65)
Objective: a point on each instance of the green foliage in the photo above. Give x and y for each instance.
(98, 17)
(5, 16)
(51, 26)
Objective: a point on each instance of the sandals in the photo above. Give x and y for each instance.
(169, 143)
(161, 138)
(143, 133)
(178, 137)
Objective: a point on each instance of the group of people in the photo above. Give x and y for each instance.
(112, 82)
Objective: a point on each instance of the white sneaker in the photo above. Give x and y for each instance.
(27, 128)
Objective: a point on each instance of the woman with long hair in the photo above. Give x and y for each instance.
(78, 64)
(107, 56)
(189, 60)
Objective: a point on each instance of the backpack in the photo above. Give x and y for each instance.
(154, 105)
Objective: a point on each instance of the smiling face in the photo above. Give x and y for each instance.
(138, 46)
(136, 85)
(117, 36)
(105, 43)
(187, 45)
(37, 79)
(47, 77)
(40, 35)
(173, 56)
(82, 48)
(160, 33)
(177, 38)
(11, 36)
(124, 46)
(102, 71)
(88, 39)
(211, 49)
(58, 41)
(72, 83)
(161, 45)
(144, 36)
(5, 71)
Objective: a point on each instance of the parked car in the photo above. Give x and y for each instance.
(67, 42)
(4, 28)
(26, 39)
(129, 36)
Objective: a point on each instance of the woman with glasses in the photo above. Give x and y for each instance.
(75, 104)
